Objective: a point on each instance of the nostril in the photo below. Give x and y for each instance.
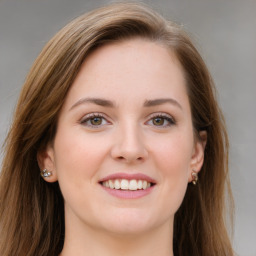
(129, 159)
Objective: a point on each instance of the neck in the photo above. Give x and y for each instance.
(88, 241)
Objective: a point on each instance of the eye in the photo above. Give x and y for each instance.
(94, 120)
(161, 120)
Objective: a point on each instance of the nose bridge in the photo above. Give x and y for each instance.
(129, 143)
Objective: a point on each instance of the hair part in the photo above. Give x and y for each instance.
(32, 210)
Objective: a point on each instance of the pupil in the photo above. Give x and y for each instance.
(158, 121)
(96, 120)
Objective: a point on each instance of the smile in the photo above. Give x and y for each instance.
(124, 184)
(128, 185)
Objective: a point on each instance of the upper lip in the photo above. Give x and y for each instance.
(128, 176)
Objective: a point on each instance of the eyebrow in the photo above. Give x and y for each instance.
(97, 101)
(156, 102)
(107, 103)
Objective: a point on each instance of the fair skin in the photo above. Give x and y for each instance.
(127, 115)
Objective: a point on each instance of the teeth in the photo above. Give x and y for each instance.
(124, 184)
(111, 184)
(140, 184)
(106, 184)
(144, 184)
(133, 185)
(117, 184)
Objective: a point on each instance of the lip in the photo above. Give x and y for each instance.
(128, 194)
(128, 176)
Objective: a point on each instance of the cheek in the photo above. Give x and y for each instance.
(173, 153)
(174, 163)
(77, 159)
(172, 160)
(77, 156)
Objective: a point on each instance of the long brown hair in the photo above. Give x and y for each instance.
(31, 210)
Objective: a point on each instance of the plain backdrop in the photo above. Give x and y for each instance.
(225, 34)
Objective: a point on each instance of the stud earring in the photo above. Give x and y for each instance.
(45, 173)
(194, 177)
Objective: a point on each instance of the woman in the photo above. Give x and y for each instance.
(118, 115)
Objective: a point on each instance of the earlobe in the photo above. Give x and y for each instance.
(197, 158)
(45, 159)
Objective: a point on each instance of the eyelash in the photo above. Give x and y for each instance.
(165, 117)
(90, 117)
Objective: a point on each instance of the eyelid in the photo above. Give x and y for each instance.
(89, 116)
(167, 117)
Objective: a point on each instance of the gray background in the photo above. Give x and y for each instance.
(225, 33)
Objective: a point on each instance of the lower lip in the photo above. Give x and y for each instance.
(129, 194)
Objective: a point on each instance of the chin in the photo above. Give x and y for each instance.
(129, 222)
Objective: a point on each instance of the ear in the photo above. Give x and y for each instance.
(197, 158)
(45, 159)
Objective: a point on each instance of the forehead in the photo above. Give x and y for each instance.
(132, 54)
(136, 66)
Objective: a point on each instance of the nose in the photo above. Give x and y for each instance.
(129, 146)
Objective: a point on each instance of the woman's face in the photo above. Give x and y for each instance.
(124, 148)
